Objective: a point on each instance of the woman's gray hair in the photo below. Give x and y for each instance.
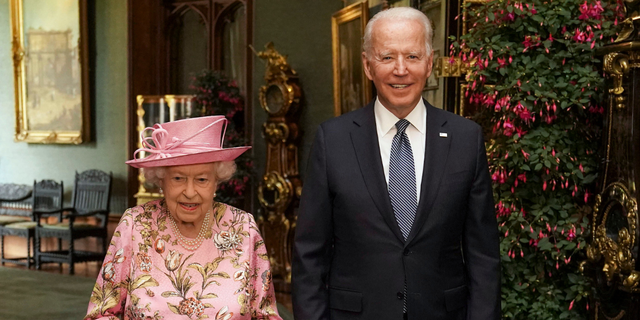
(223, 170)
(398, 14)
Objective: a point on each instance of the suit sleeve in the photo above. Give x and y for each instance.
(481, 244)
(313, 239)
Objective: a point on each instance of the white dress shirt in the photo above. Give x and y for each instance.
(386, 127)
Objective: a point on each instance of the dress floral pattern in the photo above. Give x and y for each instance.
(147, 275)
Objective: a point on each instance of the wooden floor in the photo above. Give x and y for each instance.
(17, 247)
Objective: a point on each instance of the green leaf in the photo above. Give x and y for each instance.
(589, 178)
(544, 244)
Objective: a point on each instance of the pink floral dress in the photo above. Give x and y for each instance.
(147, 275)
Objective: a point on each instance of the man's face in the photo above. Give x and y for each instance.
(398, 64)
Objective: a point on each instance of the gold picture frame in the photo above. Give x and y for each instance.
(351, 87)
(51, 71)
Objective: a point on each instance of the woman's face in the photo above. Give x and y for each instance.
(189, 191)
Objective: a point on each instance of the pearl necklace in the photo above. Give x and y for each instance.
(190, 244)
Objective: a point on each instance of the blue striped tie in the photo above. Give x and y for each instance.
(402, 179)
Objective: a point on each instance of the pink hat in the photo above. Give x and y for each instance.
(184, 142)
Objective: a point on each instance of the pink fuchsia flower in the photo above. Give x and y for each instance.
(509, 17)
(520, 131)
(530, 41)
(526, 115)
(502, 209)
(579, 36)
(522, 177)
(499, 176)
(591, 11)
(502, 62)
(508, 128)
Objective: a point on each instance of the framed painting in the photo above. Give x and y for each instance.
(351, 87)
(51, 70)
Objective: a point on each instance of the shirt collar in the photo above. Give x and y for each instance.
(385, 120)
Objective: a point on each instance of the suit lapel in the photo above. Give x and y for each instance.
(435, 159)
(365, 142)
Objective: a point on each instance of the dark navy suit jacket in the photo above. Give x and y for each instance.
(350, 260)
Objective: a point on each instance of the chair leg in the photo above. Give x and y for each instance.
(60, 249)
(2, 249)
(71, 262)
(37, 249)
(29, 244)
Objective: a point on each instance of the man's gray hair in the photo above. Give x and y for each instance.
(398, 14)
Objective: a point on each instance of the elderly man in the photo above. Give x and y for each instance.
(397, 216)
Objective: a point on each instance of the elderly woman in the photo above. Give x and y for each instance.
(185, 256)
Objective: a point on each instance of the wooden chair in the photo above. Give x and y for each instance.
(91, 195)
(9, 223)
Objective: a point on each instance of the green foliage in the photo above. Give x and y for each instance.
(535, 82)
(218, 95)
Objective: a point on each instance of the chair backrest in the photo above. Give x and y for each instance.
(15, 199)
(92, 191)
(47, 195)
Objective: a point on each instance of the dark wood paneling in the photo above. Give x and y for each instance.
(145, 71)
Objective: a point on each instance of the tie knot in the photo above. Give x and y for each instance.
(402, 125)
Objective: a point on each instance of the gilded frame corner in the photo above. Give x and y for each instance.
(354, 12)
(23, 130)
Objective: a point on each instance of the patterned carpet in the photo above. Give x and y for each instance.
(30, 294)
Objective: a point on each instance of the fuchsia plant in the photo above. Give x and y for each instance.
(536, 83)
(218, 95)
